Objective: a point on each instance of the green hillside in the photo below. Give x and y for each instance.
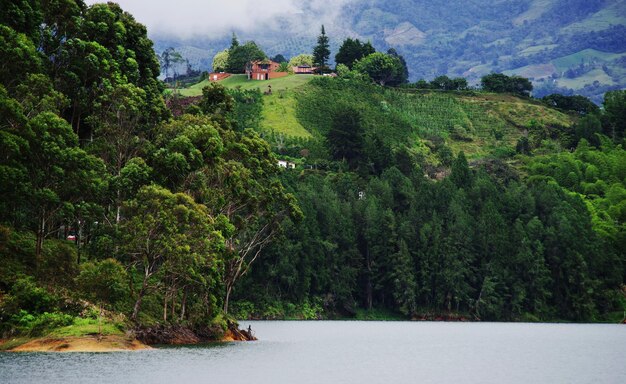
(479, 124)
(234, 81)
(586, 55)
(471, 39)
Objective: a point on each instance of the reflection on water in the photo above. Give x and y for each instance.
(354, 352)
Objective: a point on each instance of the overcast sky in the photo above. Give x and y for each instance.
(186, 18)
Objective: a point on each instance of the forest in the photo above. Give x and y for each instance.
(117, 212)
(532, 232)
(109, 205)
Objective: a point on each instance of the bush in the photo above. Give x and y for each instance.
(46, 322)
(103, 281)
(30, 324)
(58, 265)
(27, 295)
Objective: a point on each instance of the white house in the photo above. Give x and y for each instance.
(286, 164)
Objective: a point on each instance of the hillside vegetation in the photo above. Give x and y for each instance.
(556, 43)
(397, 218)
(241, 81)
(119, 213)
(480, 124)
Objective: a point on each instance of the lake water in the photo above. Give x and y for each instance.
(355, 352)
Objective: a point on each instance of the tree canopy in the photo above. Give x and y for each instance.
(240, 55)
(500, 83)
(353, 50)
(321, 52)
(381, 68)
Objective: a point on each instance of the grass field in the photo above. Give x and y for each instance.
(611, 15)
(537, 48)
(565, 62)
(281, 84)
(534, 71)
(488, 121)
(537, 8)
(279, 115)
(480, 124)
(588, 78)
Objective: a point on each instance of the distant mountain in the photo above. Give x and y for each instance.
(565, 46)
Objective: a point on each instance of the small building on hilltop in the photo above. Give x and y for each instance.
(263, 70)
(304, 70)
(218, 76)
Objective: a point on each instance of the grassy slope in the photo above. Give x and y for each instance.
(610, 15)
(586, 55)
(480, 125)
(281, 84)
(279, 108)
(279, 115)
(487, 122)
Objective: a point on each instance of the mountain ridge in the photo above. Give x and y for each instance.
(462, 38)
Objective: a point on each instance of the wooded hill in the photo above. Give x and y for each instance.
(396, 219)
(415, 203)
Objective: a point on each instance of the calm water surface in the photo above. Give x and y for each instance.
(355, 352)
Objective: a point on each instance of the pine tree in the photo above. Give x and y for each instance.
(234, 42)
(321, 52)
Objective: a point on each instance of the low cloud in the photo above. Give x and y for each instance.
(216, 18)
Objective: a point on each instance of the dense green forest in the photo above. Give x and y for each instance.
(406, 202)
(106, 201)
(533, 229)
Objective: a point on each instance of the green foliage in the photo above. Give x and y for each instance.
(21, 57)
(216, 100)
(446, 84)
(247, 110)
(169, 233)
(598, 175)
(23, 16)
(500, 83)
(579, 104)
(302, 59)
(103, 281)
(166, 220)
(220, 61)
(321, 52)
(279, 59)
(345, 137)
(615, 113)
(381, 68)
(239, 56)
(351, 51)
(27, 295)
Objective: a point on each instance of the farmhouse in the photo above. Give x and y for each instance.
(304, 70)
(263, 70)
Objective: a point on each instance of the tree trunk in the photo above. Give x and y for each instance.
(165, 307)
(183, 305)
(41, 231)
(369, 288)
(174, 292)
(140, 295)
(229, 288)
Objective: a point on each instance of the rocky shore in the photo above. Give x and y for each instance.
(138, 339)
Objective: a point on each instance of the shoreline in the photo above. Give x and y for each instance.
(90, 343)
(130, 342)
